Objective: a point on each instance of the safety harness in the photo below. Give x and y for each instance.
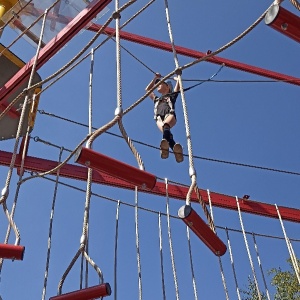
(167, 98)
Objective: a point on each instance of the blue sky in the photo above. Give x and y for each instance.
(254, 123)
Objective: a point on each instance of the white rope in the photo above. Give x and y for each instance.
(137, 244)
(232, 265)
(219, 258)
(83, 249)
(5, 191)
(50, 229)
(289, 246)
(247, 248)
(260, 266)
(170, 242)
(191, 263)
(116, 250)
(161, 257)
(186, 120)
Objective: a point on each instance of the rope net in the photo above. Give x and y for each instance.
(129, 237)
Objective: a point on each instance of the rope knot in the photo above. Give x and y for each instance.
(116, 15)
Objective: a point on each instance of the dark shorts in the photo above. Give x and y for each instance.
(165, 116)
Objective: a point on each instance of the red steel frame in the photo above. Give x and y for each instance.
(89, 13)
(77, 172)
(64, 36)
(197, 55)
(175, 191)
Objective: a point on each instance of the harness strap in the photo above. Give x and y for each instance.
(168, 100)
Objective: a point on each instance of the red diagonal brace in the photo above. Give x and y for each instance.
(81, 20)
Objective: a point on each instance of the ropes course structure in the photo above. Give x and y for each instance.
(147, 228)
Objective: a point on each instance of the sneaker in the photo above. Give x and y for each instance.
(178, 152)
(164, 149)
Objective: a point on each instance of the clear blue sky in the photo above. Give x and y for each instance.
(254, 123)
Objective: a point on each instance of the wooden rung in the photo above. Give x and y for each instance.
(115, 168)
(202, 230)
(12, 251)
(283, 21)
(90, 293)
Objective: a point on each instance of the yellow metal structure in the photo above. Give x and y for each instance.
(10, 64)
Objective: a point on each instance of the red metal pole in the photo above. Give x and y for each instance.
(35, 164)
(90, 293)
(12, 251)
(283, 21)
(115, 168)
(202, 230)
(197, 54)
(81, 20)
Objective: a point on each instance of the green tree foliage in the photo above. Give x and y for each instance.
(286, 283)
(251, 292)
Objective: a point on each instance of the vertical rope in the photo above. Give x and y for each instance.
(232, 265)
(14, 205)
(22, 117)
(289, 246)
(116, 250)
(186, 120)
(5, 190)
(50, 228)
(219, 258)
(191, 263)
(117, 16)
(247, 247)
(83, 248)
(137, 243)
(260, 266)
(170, 242)
(161, 258)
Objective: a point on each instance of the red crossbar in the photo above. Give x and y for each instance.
(202, 230)
(90, 293)
(12, 251)
(36, 164)
(115, 168)
(283, 21)
(197, 55)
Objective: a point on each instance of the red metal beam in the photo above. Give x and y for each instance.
(197, 55)
(175, 191)
(81, 20)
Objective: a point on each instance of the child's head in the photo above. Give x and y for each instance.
(164, 87)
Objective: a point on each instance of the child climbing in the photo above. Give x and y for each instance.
(165, 116)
